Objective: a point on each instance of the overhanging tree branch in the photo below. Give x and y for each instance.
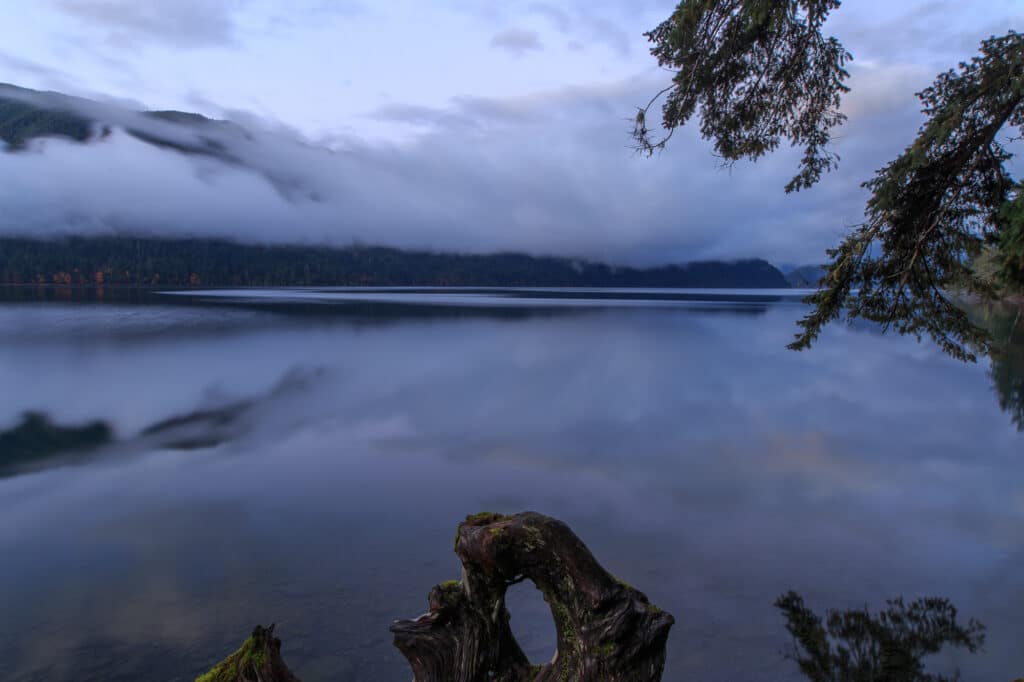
(760, 71)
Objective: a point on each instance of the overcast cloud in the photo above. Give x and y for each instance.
(180, 24)
(516, 40)
(364, 126)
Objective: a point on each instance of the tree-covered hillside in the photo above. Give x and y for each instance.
(805, 276)
(27, 114)
(21, 121)
(207, 262)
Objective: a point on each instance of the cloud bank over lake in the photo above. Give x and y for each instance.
(543, 165)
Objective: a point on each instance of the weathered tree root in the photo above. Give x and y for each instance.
(607, 631)
(257, 660)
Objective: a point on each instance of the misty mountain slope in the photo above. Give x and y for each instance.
(805, 276)
(136, 259)
(21, 121)
(30, 114)
(108, 168)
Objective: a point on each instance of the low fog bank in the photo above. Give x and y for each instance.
(550, 174)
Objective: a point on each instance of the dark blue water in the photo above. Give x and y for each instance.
(700, 461)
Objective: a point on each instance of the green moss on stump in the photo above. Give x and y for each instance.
(483, 518)
(252, 660)
(449, 592)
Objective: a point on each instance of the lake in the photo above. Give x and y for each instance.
(303, 457)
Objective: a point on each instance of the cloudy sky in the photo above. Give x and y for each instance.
(457, 124)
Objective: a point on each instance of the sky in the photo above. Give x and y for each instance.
(460, 125)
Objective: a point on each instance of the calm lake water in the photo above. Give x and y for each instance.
(352, 430)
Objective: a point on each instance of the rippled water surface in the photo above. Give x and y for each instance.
(303, 457)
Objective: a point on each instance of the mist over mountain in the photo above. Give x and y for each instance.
(804, 276)
(27, 116)
(41, 130)
(496, 176)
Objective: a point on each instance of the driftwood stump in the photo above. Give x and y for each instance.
(257, 660)
(607, 631)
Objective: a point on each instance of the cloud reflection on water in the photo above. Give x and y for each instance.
(700, 461)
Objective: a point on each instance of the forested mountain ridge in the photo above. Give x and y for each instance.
(805, 276)
(21, 121)
(152, 261)
(28, 114)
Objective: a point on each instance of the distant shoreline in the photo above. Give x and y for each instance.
(214, 263)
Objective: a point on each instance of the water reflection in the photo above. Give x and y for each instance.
(1008, 380)
(857, 645)
(1007, 358)
(698, 459)
(36, 439)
